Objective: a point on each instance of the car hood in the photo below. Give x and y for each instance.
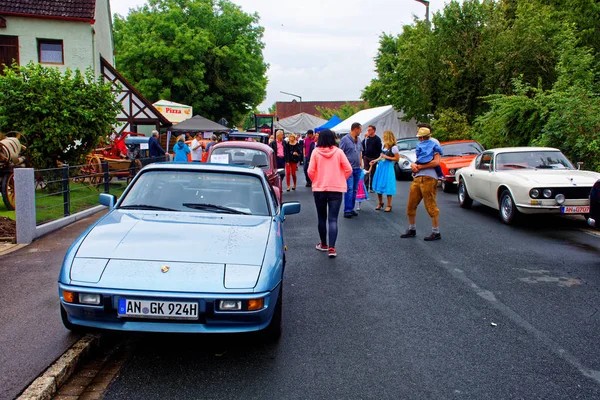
(458, 161)
(410, 154)
(550, 178)
(178, 237)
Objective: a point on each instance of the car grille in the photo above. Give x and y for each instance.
(575, 192)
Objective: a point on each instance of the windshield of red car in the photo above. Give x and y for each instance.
(198, 191)
(461, 149)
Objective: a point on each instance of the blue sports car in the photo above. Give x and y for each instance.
(187, 248)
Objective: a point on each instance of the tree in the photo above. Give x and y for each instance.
(206, 53)
(345, 111)
(61, 116)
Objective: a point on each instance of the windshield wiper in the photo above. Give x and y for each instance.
(213, 207)
(146, 207)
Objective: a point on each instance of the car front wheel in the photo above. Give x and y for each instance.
(447, 187)
(508, 209)
(464, 201)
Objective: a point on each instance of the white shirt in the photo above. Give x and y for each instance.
(196, 154)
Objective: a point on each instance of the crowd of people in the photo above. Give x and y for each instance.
(342, 173)
(338, 172)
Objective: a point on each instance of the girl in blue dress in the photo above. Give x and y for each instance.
(384, 181)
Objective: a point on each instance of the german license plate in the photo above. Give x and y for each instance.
(157, 309)
(575, 209)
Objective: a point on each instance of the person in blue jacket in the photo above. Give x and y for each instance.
(181, 149)
(154, 146)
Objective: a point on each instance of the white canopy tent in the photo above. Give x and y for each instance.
(383, 119)
(299, 123)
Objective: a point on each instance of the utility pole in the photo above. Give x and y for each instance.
(426, 4)
(295, 95)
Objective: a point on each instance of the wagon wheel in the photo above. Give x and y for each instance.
(8, 191)
(95, 170)
(79, 175)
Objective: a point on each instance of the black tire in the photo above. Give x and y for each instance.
(272, 332)
(397, 172)
(67, 323)
(507, 208)
(447, 187)
(464, 200)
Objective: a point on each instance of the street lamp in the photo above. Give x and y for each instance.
(295, 95)
(426, 4)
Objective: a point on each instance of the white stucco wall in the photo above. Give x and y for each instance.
(76, 37)
(104, 45)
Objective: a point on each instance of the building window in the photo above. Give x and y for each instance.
(50, 51)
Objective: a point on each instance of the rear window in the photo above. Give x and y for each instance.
(241, 156)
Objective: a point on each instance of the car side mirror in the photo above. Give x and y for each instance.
(579, 165)
(289, 208)
(281, 172)
(108, 200)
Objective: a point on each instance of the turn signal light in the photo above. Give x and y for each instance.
(69, 297)
(255, 304)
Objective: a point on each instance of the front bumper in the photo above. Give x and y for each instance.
(104, 316)
(549, 206)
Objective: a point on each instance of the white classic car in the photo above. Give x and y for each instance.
(528, 180)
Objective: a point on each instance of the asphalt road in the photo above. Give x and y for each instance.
(31, 333)
(489, 312)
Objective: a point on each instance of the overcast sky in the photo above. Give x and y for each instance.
(321, 49)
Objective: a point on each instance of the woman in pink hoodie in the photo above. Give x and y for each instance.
(328, 170)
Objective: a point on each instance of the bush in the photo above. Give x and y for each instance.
(449, 124)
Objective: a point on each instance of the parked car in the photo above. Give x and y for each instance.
(457, 154)
(187, 248)
(406, 151)
(239, 152)
(528, 180)
(594, 216)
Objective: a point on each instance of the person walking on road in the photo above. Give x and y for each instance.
(371, 150)
(424, 188)
(351, 145)
(328, 170)
(293, 154)
(309, 146)
(384, 179)
(278, 146)
(181, 150)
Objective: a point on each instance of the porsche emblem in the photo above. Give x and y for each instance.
(165, 269)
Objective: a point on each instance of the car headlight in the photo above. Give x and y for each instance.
(230, 305)
(89, 298)
(547, 193)
(452, 171)
(560, 198)
(534, 193)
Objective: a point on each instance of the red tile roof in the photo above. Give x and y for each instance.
(286, 109)
(59, 9)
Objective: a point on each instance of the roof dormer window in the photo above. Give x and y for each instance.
(50, 51)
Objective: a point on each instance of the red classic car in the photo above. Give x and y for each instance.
(457, 154)
(239, 152)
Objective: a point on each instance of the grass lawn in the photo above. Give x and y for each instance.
(83, 196)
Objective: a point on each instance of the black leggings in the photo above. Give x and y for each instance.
(333, 200)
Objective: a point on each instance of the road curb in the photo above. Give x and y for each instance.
(46, 386)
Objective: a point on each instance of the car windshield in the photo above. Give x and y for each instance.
(532, 160)
(240, 156)
(198, 191)
(461, 149)
(409, 144)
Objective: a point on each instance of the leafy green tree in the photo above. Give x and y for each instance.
(206, 53)
(449, 124)
(345, 111)
(61, 116)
